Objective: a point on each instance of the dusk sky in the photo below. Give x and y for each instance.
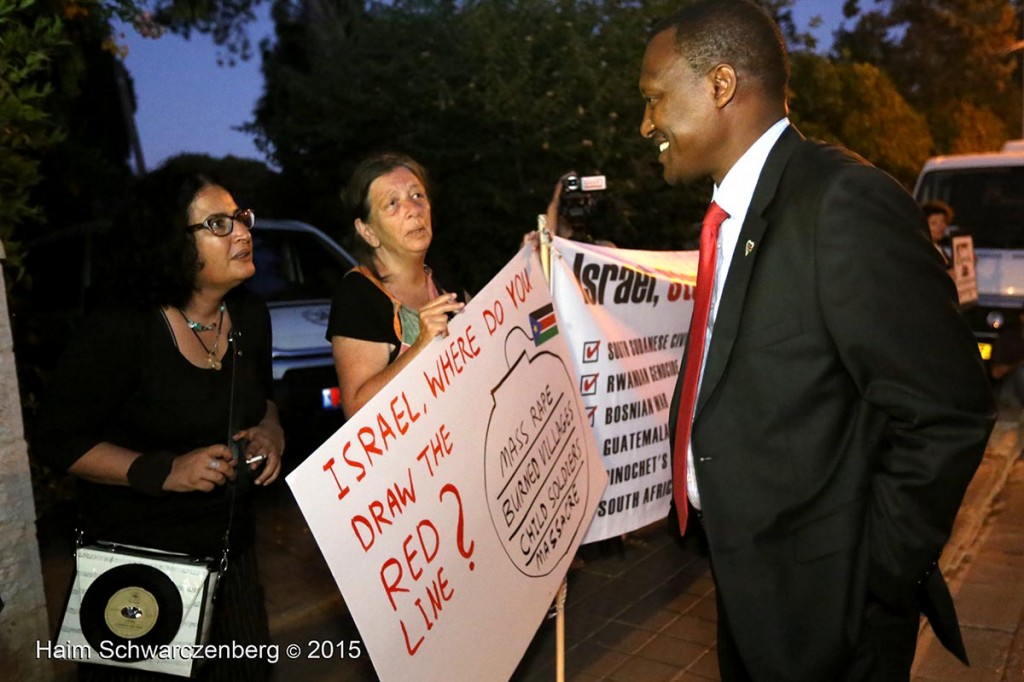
(187, 103)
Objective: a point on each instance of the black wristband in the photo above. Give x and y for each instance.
(149, 471)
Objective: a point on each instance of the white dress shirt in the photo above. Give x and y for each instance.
(733, 195)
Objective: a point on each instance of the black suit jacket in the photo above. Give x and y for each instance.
(842, 413)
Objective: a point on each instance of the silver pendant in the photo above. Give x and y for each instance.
(214, 362)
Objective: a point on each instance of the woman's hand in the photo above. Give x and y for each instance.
(202, 469)
(556, 199)
(266, 440)
(434, 317)
(363, 366)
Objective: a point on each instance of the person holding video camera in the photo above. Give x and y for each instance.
(161, 405)
(572, 204)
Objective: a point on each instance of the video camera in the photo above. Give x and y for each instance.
(577, 200)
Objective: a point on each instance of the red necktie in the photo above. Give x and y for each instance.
(713, 220)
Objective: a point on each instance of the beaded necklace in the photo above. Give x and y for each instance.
(199, 326)
(196, 327)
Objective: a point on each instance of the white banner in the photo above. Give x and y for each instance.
(625, 316)
(450, 506)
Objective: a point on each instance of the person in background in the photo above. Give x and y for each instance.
(389, 308)
(940, 217)
(140, 408)
(560, 224)
(825, 461)
(562, 218)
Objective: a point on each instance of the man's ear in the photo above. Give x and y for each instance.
(367, 234)
(723, 79)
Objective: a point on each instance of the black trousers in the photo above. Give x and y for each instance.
(239, 617)
(884, 652)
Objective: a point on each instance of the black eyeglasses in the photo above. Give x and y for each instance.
(222, 224)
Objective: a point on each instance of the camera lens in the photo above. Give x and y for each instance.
(571, 184)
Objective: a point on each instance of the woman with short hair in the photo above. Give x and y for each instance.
(390, 307)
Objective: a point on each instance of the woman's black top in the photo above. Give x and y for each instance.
(123, 381)
(361, 310)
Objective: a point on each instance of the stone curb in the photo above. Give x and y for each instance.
(1003, 450)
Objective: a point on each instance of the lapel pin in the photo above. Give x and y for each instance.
(750, 247)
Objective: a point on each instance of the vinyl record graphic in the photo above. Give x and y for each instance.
(131, 603)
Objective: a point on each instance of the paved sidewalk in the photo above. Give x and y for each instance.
(989, 592)
(644, 610)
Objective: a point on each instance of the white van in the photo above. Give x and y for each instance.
(986, 192)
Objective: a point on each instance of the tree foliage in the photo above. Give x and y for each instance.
(28, 40)
(251, 182)
(496, 98)
(857, 105)
(950, 60)
(500, 97)
(225, 21)
(85, 174)
(66, 101)
(965, 127)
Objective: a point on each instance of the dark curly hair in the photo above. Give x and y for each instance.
(160, 259)
(356, 195)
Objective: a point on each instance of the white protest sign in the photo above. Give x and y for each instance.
(450, 506)
(625, 316)
(963, 272)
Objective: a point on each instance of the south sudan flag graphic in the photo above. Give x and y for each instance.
(542, 324)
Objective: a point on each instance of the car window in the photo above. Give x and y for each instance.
(292, 266)
(987, 202)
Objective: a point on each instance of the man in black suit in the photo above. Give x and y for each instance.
(842, 407)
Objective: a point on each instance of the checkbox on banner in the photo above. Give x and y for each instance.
(591, 350)
(588, 384)
(591, 411)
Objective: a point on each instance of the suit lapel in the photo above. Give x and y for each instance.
(735, 292)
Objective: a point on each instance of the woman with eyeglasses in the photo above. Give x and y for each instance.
(389, 308)
(161, 405)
